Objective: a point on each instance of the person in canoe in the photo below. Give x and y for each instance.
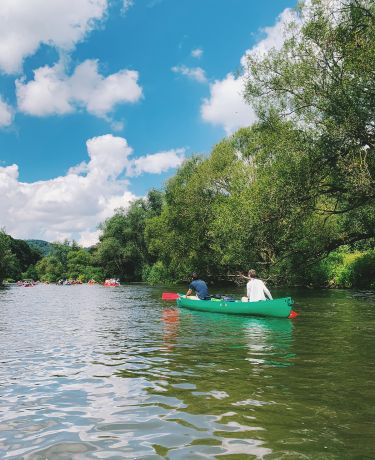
(200, 288)
(256, 290)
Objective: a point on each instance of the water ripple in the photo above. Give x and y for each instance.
(94, 373)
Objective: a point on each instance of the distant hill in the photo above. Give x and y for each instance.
(41, 246)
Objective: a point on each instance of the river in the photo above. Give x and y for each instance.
(89, 372)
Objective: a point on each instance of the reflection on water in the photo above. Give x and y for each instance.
(171, 320)
(89, 372)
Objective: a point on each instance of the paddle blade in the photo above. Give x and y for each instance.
(169, 296)
(293, 314)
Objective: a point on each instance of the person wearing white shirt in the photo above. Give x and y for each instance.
(256, 289)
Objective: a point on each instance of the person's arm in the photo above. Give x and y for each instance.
(267, 292)
(191, 288)
(248, 290)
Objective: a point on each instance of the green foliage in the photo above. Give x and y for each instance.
(60, 251)
(91, 273)
(322, 80)
(170, 236)
(15, 257)
(50, 269)
(30, 274)
(42, 247)
(77, 261)
(80, 266)
(362, 273)
(68, 260)
(288, 191)
(8, 261)
(310, 159)
(109, 256)
(25, 257)
(344, 269)
(157, 274)
(122, 250)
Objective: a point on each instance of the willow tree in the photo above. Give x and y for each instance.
(322, 83)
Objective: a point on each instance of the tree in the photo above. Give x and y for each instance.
(81, 266)
(122, 250)
(321, 84)
(8, 261)
(60, 251)
(26, 257)
(178, 236)
(109, 256)
(50, 269)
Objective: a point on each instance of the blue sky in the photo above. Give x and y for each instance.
(101, 100)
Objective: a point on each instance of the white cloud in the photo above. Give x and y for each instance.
(275, 35)
(88, 239)
(26, 24)
(157, 163)
(53, 92)
(197, 53)
(6, 114)
(195, 73)
(71, 206)
(79, 169)
(225, 106)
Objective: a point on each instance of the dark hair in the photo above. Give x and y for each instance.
(252, 273)
(194, 276)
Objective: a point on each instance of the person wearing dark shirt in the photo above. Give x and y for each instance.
(199, 286)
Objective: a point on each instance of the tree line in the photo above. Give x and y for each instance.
(292, 195)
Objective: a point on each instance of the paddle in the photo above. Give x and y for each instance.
(169, 296)
(293, 314)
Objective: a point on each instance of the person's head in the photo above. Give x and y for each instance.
(194, 276)
(252, 273)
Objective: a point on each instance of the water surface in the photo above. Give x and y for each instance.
(89, 372)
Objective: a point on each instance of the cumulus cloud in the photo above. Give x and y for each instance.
(274, 36)
(26, 24)
(197, 53)
(157, 163)
(71, 206)
(195, 73)
(225, 106)
(87, 239)
(52, 91)
(6, 114)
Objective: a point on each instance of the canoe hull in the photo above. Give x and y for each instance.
(277, 308)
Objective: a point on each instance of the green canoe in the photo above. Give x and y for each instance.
(277, 308)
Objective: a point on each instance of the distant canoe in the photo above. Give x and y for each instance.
(111, 283)
(26, 283)
(277, 308)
